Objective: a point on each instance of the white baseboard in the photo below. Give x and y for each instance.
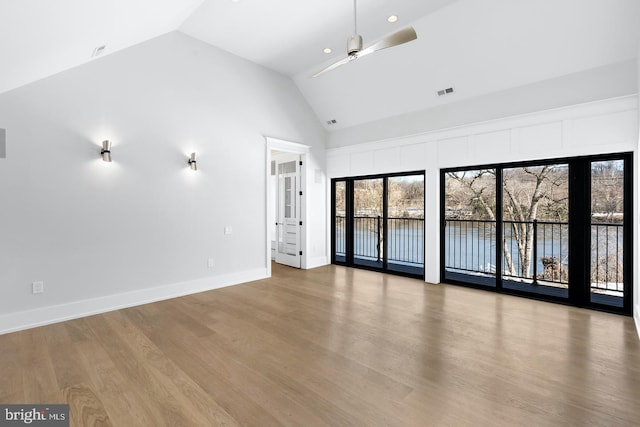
(317, 262)
(58, 313)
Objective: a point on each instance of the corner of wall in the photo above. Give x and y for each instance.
(318, 261)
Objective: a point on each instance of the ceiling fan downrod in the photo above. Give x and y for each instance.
(354, 44)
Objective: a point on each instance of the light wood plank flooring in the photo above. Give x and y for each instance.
(333, 346)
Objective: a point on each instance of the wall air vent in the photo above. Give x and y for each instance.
(332, 122)
(447, 91)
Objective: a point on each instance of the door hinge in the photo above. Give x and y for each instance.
(300, 222)
(300, 252)
(300, 162)
(301, 193)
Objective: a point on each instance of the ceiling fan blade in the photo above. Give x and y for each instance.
(335, 65)
(401, 37)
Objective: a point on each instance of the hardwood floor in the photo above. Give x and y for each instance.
(333, 346)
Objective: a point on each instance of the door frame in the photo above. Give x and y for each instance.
(303, 151)
(283, 225)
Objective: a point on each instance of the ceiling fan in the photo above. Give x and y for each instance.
(354, 44)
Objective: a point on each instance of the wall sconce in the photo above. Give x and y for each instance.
(106, 151)
(192, 162)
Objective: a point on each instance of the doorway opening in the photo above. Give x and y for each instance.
(285, 243)
(285, 203)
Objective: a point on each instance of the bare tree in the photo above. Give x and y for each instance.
(607, 191)
(527, 190)
(526, 193)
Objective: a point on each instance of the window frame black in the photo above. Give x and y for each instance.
(579, 229)
(349, 258)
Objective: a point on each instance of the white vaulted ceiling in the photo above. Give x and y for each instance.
(289, 35)
(476, 46)
(39, 38)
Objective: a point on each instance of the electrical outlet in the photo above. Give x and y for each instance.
(37, 287)
(210, 263)
(228, 229)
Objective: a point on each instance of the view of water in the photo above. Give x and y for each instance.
(405, 243)
(471, 246)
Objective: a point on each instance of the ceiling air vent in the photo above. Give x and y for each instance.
(332, 122)
(447, 91)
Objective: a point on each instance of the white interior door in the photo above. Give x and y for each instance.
(288, 210)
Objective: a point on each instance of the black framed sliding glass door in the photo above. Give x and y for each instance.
(367, 222)
(535, 229)
(378, 222)
(610, 269)
(552, 229)
(469, 239)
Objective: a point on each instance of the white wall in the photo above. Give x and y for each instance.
(591, 128)
(142, 228)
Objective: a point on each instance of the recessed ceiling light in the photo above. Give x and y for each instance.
(392, 18)
(327, 50)
(235, 1)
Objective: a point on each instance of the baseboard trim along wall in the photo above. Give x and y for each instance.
(13, 322)
(317, 262)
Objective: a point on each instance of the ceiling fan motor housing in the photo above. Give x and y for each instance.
(354, 44)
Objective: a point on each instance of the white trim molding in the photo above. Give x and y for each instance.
(318, 261)
(288, 146)
(13, 322)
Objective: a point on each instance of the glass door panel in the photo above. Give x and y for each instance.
(607, 233)
(340, 221)
(405, 224)
(470, 226)
(368, 222)
(535, 210)
(378, 222)
(288, 213)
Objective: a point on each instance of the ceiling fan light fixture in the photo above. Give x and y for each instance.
(354, 44)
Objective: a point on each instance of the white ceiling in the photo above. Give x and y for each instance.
(39, 38)
(475, 46)
(289, 35)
